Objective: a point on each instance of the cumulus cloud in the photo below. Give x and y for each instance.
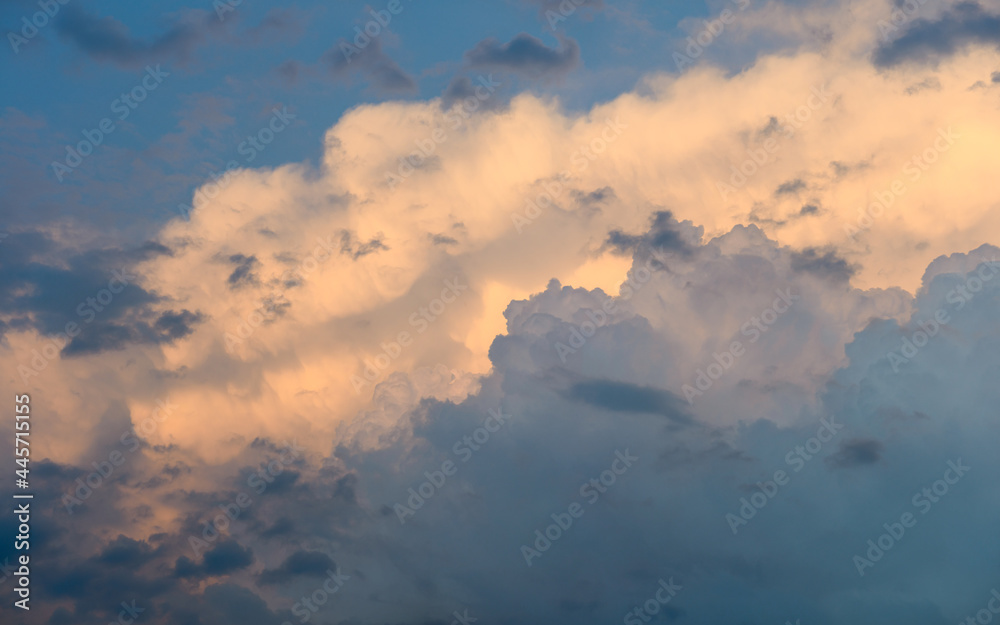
(704, 288)
(316, 300)
(566, 423)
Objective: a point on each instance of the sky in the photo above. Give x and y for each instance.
(520, 311)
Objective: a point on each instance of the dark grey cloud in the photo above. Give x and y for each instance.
(351, 246)
(94, 584)
(594, 197)
(461, 87)
(443, 239)
(290, 70)
(345, 60)
(791, 187)
(93, 577)
(126, 552)
(841, 169)
(857, 452)
(664, 235)
(171, 325)
(525, 55)
(827, 265)
(282, 527)
(623, 243)
(243, 274)
(231, 604)
(102, 335)
(626, 397)
(41, 284)
(47, 288)
(927, 41)
(107, 39)
(225, 557)
(299, 564)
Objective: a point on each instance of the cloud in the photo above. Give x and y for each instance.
(555, 12)
(46, 287)
(791, 187)
(766, 404)
(662, 236)
(553, 5)
(410, 312)
(624, 397)
(107, 39)
(462, 88)
(163, 328)
(525, 55)
(344, 60)
(299, 564)
(928, 41)
(125, 552)
(356, 249)
(243, 271)
(826, 265)
(326, 303)
(226, 557)
(663, 498)
(279, 22)
(231, 604)
(857, 452)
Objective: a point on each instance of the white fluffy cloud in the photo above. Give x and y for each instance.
(462, 213)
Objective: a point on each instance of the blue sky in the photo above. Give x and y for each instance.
(227, 76)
